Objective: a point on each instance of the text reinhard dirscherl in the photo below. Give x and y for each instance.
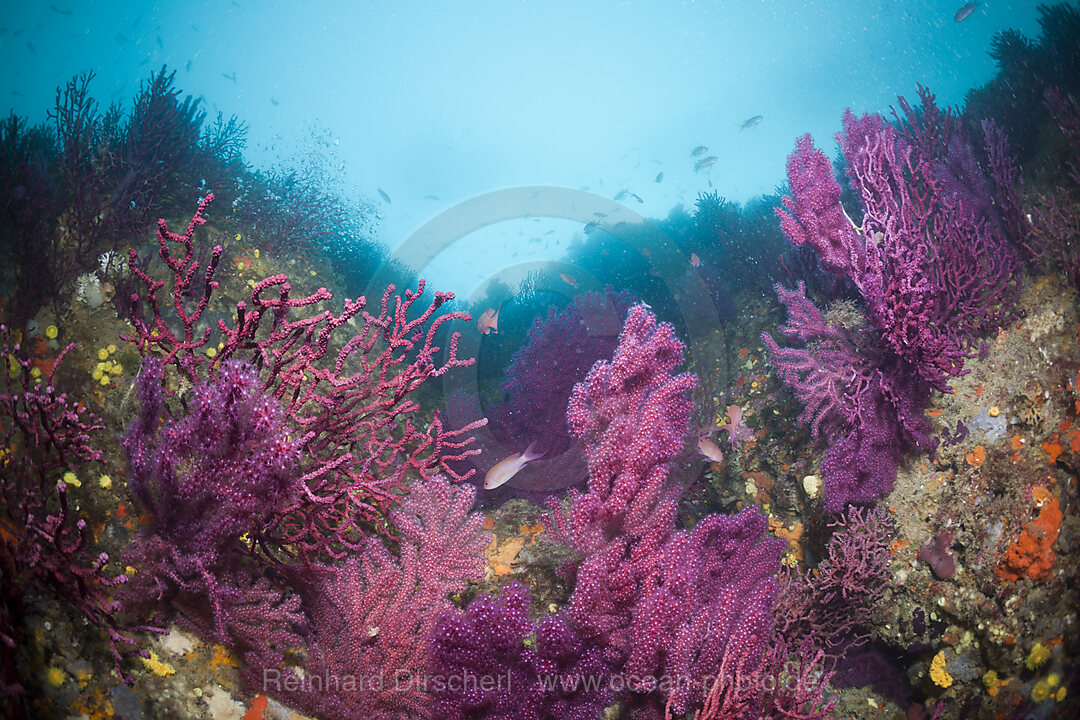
(275, 680)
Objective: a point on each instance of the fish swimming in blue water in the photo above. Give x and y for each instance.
(966, 11)
(707, 162)
(751, 122)
(384, 196)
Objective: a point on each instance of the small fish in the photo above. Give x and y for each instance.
(549, 232)
(431, 197)
(229, 76)
(187, 66)
(637, 197)
(508, 467)
(600, 214)
(489, 321)
(699, 151)
(710, 450)
(619, 196)
(965, 12)
(660, 177)
(58, 11)
(707, 162)
(695, 260)
(30, 47)
(591, 225)
(384, 196)
(751, 122)
(274, 102)
(569, 280)
(120, 38)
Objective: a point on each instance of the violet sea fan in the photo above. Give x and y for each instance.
(206, 477)
(371, 619)
(543, 668)
(44, 546)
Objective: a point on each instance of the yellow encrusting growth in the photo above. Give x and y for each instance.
(157, 667)
(104, 482)
(1039, 654)
(51, 332)
(938, 673)
(55, 676)
(1040, 692)
(71, 479)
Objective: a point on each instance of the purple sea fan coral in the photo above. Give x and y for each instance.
(558, 353)
(713, 598)
(833, 607)
(205, 478)
(662, 603)
(44, 546)
(371, 619)
(350, 412)
(544, 669)
(814, 215)
(931, 279)
(215, 472)
(632, 415)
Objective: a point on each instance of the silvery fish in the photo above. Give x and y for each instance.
(751, 122)
(707, 162)
(965, 12)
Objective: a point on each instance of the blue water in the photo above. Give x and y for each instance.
(436, 103)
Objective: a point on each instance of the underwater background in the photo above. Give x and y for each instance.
(539, 360)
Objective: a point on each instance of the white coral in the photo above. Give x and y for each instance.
(116, 260)
(88, 290)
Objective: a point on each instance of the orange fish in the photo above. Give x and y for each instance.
(489, 321)
(695, 260)
(710, 450)
(569, 279)
(508, 467)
